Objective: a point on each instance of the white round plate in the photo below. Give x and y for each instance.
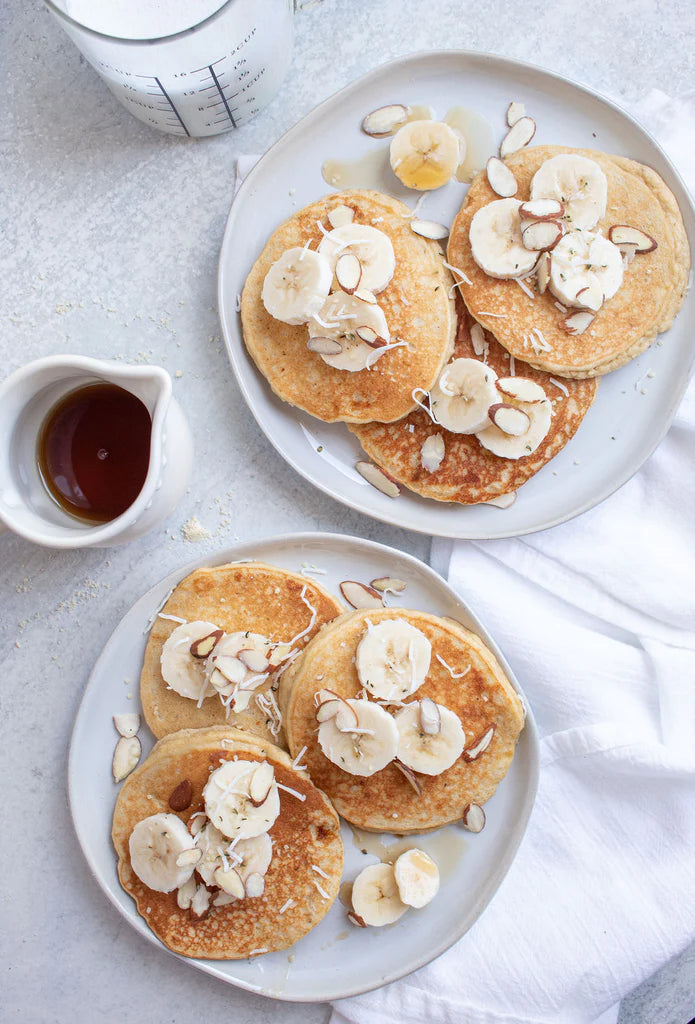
(335, 959)
(624, 425)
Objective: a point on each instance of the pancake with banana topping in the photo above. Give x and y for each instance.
(415, 717)
(439, 463)
(227, 849)
(220, 642)
(615, 274)
(347, 309)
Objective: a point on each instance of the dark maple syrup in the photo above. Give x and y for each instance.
(94, 451)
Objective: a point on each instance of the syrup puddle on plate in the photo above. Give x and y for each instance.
(445, 846)
(479, 138)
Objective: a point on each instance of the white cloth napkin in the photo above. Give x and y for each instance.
(597, 618)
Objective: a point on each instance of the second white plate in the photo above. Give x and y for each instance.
(624, 425)
(335, 959)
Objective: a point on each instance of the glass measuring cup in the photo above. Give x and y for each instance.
(188, 67)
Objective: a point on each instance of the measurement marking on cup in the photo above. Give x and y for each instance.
(222, 95)
(168, 99)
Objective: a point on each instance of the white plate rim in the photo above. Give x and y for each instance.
(631, 467)
(240, 551)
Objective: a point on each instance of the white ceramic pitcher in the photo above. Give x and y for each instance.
(27, 396)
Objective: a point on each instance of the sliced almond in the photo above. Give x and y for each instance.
(359, 595)
(261, 783)
(180, 797)
(541, 235)
(346, 718)
(341, 215)
(480, 745)
(223, 899)
(230, 881)
(590, 297)
(348, 272)
(254, 660)
(388, 584)
(384, 120)
(187, 857)
(127, 724)
(518, 136)
(429, 229)
(378, 478)
(204, 647)
(200, 904)
(620, 234)
(500, 178)
(329, 709)
(577, 323)
(196, 822)
(323, 696)
(324, 346)
(478, 339)
(370, 337)
(186, 892)
(430, 717)
(503, 501)
(230, 667)
(125, 757)
(629, 251)
(473, 818)
(255, 885)
(366, 296)
(355, 919)
(541, 209)
(543, 273)
(408, 774)
(515, 111)
(521, 388)
(432, 452)
(508, 419)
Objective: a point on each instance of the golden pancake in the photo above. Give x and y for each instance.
(416, 304)
(238, 597)
(468, 472)
(481, 698)
(306, 832)
(645, 305)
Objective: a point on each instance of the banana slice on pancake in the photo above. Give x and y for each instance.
(238, 665)
(428, 752)
(519, 400)
(212, 844)
(182, 671)
(360, 737)
(497, 245)
(296, 285)
(373, 248)
(460, 399)
(339, 319)
(375, 896)
(156, 845)
(417, 878)
(585, 269)
(392, 659)
(247, 856)
(425, 154)
(578, 183)
(242, 799)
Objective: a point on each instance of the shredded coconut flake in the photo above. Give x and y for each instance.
(319, 871)
(485, 312)
(424, 407)
(292, 792)
(559, 385)
(237, 304)
(286, 906)
(321, 889)
(524, 288)
(174, 618)
(457, 270)
(512, 366)
(255, 952)
(558, 305)
(378, 352)
(454, 675)
(295, 764)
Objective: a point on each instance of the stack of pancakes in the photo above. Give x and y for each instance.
(198, 737)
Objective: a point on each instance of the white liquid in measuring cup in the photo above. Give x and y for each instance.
(212, 76)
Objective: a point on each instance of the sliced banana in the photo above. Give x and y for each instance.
(579, 184)
(238, 665)
(375, 896)
(511, 446)
(210, 841)
(417, 878)
(425, 154)
(228, 803)
(373, 248)
(496, 241)
(364, 748)
(155, 845)
(585, 269)
(296, 285)
(180, 670)
(256, 855)
(463, 394)
(424, 752)
(338, 319)
(392, 659)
